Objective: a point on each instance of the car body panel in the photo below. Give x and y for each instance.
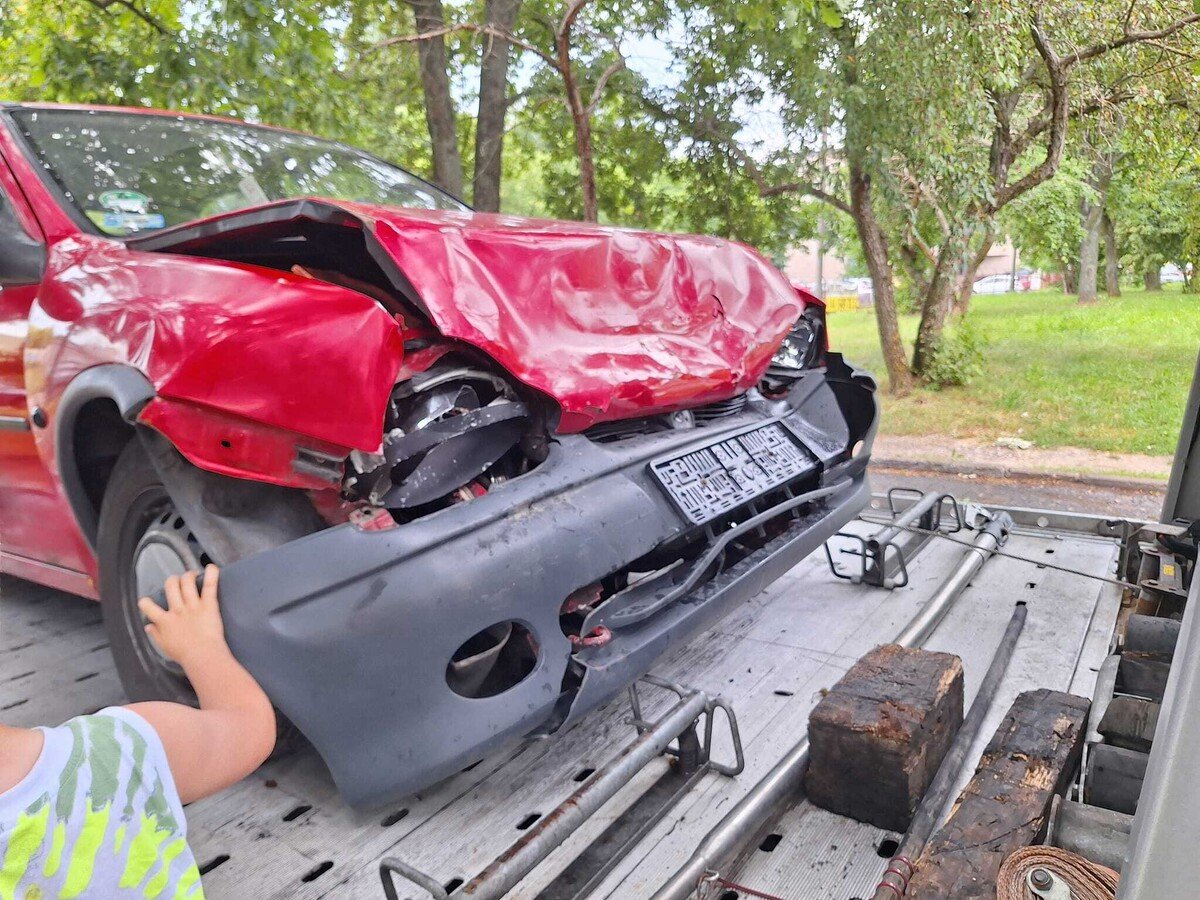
(40, 538)
(610, 322)
(250, 348)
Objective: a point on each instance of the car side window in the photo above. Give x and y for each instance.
(22, 258)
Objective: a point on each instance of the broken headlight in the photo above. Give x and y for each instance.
(804, 346)
(447, 431)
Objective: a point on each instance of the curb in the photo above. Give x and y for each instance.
(990, 471)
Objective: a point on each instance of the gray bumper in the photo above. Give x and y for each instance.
(350, 632)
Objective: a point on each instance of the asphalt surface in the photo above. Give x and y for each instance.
(1042, 493)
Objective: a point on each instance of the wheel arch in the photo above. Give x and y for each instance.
(93, 423)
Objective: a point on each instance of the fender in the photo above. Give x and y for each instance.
(130, 390)
(169, 436)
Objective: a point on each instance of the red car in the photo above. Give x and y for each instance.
(469, 475)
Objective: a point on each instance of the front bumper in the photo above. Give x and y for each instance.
(350, 632)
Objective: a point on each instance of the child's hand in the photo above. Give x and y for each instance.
(190, 626)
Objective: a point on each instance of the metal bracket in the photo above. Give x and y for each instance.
(693, 756)
(885, 555)
(711, 705)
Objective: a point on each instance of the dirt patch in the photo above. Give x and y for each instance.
(1060, 460)
(1042, 492)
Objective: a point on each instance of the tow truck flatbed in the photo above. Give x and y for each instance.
(284, 833)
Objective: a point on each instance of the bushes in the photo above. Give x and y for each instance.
(959, 356)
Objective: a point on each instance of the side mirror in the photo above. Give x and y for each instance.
(22, 259)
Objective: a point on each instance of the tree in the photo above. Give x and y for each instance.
(440, 114)
(441, 110)
(941, 116)
(560, 27)
(578, 40)
(1093, 213)
(1045, 224)
(283, 64)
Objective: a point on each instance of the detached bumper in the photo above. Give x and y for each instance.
(350, 632)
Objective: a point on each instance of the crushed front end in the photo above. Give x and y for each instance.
(410, 644)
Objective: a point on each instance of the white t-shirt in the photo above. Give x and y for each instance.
(97, 816)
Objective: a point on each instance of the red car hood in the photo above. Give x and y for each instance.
(610, 322)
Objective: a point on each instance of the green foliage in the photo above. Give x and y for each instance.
(958, 356)
(1156, 202)
(1045, 224)
(284, 64)
(908, 299)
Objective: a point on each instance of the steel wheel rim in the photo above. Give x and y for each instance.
(166, 547)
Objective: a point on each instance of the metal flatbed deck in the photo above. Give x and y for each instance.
(284, 833)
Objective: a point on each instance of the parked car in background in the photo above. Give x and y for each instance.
(994, 284)
(468, 475)
(1170, 274)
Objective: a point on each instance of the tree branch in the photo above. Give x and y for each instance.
(105, 5)
(574, 8)
(468, 27)
(616, 66)
(1130, 37)
(709, 132)
(1058, 109)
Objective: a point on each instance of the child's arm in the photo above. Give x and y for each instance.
(233, 731)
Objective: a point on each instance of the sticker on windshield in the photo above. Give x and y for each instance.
(119, 223)
(125, 201)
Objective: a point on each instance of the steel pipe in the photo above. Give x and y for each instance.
(520, 859)
(986, 542)
(910, 516)
(776, 790)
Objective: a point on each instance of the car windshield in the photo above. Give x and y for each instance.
(128, 173)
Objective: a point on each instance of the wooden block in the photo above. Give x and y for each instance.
(877, 738)
(1143, 674)
(1031, 757)
(1114, 777)
(1129, 722)
(1152, 634)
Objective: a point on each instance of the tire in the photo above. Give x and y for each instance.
(135, 503)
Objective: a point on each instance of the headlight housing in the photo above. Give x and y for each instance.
(804, 346)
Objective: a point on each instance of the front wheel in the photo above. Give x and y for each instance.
(142, 540)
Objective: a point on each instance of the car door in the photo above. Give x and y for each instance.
(38, 535)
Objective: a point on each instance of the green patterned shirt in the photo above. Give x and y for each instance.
(97, 816)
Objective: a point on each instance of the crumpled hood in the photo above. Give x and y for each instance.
(611, 322)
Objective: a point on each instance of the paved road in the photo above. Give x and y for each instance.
(1045, 493)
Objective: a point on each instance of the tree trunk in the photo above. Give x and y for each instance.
(500, 16)
(935, 309)
(1151, 279)
(1112, 262)
(962, 299)
(1089, 253)
(440, 116)
(582, 118)
(1070, 274)
(1093, 227)
(875, 252)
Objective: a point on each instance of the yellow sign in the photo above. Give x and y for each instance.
(841, 302)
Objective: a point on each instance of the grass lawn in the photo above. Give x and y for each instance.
(1110, 377)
